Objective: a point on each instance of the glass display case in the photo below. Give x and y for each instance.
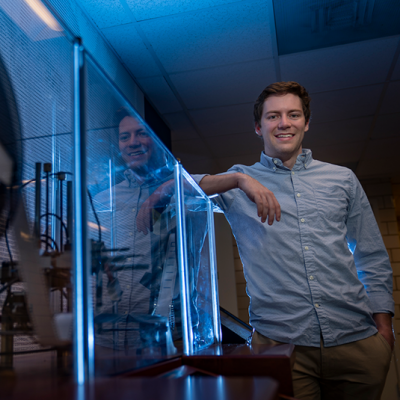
(108, 254)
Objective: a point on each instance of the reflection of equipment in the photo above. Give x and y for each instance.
(154, 329)
(136, 330)
(56, 272)
(29, 311)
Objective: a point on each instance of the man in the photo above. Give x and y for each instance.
(133, 278)
(320, 276)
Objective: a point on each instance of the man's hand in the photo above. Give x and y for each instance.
(158, 199)
(267, 205)
(384, 324)
(265, 200)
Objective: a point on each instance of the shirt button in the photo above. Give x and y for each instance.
(130, 233)
(298, 194)
(275, 161)
(306, 248)
(133, 209)
(292, 172)
(274, 169)
(316, 305)
(311, 278)
(302, 220)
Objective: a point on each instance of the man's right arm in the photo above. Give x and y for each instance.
(267, 205)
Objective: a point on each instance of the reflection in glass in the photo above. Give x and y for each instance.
(137, 306)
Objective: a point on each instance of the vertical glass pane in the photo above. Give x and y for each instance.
(137, 313)
(200, 270)
(35, 287)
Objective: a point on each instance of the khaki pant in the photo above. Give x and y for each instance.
(352, 371)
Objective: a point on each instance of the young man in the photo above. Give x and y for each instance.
(319, 277)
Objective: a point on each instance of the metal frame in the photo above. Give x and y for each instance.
(83, 313)
(213, 274)
(187, 331)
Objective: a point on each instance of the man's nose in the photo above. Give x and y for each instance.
(284, 122)
(133, 140)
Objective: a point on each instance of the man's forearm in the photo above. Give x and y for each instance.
(267, 205)
(217, 184)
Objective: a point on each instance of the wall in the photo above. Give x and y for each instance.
(380, 195)
(225, 265)
(384, 196)
(243, 299)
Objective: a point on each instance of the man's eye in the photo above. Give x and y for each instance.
(272, 117)
(295, 115)
(123, 138)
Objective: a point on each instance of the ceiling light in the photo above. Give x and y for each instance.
(44, 14)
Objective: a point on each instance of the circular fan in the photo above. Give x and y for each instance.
(10, 150)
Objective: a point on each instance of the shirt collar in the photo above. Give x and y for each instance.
(153, 177)
(303, 161)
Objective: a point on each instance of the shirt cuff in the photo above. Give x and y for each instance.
(198, 177)
(381, 302)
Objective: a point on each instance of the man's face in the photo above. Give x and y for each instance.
(135, 144)
(282, 127)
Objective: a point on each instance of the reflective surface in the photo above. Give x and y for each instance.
(35, 290)
(138, 277)
(132, 231)
(149, 242)
(199, 253)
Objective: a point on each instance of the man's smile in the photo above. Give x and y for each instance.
(136, 153)
(285, 136)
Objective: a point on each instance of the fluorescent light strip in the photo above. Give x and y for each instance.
(44, 14)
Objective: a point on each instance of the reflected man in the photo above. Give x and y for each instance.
(134, 276)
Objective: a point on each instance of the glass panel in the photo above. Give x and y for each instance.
(199, 242)
(35, 286)
(132, 226)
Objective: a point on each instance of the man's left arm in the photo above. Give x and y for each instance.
(371, 259)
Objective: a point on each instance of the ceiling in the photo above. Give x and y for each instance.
(202, 64)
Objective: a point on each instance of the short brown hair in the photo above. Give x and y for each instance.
(280, 89)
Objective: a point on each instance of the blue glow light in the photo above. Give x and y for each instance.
(78, 250)
(187, 332)
(213, 273)
(351, 247)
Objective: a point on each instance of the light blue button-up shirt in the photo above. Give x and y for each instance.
(323, 269)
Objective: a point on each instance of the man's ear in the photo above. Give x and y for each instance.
(307, 126)
(257, 129)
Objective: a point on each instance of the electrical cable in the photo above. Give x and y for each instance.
(59, 218)
(44, 177)
(47, 241)
(95, 214)
(8, 218)
(6, 237)
(47, 204)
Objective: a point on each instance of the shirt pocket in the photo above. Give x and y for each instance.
(332, 203)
